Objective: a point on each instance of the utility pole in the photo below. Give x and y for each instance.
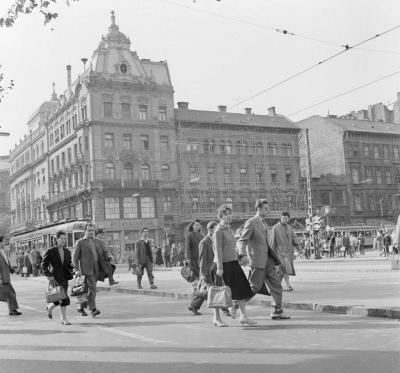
(309, 199)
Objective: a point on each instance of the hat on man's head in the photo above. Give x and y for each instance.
(99, 231)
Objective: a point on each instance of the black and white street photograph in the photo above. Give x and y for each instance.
(203, 186)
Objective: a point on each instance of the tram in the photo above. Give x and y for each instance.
(45, 237)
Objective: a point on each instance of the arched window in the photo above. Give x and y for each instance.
(357, 202)
(110, 171)
(128, 172)
(165, 174)
(145, 172)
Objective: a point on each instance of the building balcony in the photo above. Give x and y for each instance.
(125, 184)
(66, 194)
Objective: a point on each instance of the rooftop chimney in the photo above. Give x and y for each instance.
(222, 108)
(69, 75)
(271, 110)
(247, 110)
(183, 105)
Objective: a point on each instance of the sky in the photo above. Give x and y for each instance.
(213, 60)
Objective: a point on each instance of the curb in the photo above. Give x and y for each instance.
(357, 310)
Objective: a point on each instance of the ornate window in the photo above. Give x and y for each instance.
(128, 172)
(130, 208)
(110, 171)
(165, 174)
(147, 207)
(111, 207)
(145, 172)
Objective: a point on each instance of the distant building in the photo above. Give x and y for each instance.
(378, 113)
(5, 205)
(355, 168)
(237, 158)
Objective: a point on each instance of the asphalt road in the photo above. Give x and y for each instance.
(137, 333)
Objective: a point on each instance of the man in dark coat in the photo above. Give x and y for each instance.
(7, 292)
(144, 258)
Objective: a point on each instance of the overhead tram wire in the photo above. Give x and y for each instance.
(263, 26)
(346, 92)
(346, 49)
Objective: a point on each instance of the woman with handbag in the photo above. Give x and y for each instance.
(59, 258)
(228, 267)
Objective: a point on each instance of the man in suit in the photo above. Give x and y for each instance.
(110, 267)
(7, 291)
(144, 258)
(88, 260)
(266, 267)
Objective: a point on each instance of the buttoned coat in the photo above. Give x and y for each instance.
(140, 251)
(284, 240)
(254, 242)
(83, 260)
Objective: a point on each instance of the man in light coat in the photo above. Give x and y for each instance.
(266, 268)
(7, 291)
(283, 241)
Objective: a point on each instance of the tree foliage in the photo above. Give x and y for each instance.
(23, 7)
(20, 7)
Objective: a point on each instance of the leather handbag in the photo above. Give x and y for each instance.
(79, 286)
(187, 273)
(219, 296)
(55, 293)
(4, 293)
(137, 270)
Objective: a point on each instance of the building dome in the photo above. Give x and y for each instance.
(116, 38)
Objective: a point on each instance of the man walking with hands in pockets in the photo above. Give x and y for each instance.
(266, 267)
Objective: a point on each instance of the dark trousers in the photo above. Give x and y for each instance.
(149, 269)
(331, 252)
(91, 281)
(12, 298)
(261, 276)
(197, 300)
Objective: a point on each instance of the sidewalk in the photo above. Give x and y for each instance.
(362, 286)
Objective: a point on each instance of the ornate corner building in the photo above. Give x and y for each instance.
(104, 150)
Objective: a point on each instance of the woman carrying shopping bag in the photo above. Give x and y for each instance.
(59, 259)
(228, 267)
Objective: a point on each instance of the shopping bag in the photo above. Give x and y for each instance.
(79, 286)
(4, 293)
(187, 273)
(55, 293)
(200, 289)
(219, 296)
(24, 270)
(137, 270)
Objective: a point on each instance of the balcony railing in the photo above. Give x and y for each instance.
(118, 183)
(66, 194)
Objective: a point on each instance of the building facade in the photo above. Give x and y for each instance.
(5, 204)
(355, 168)
(236, 159)
(110, 149)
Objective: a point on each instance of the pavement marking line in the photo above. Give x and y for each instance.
(138, 337)
(32, 308)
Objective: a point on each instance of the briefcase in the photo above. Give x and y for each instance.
(79, 286)
(4, 293)
(187, 273)
(137, 270)
(219, 296)
(55, 293)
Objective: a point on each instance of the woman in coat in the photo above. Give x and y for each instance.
(59, 259)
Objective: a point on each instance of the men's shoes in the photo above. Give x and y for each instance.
(82, 311)
(139, 286)
(114, 283)
(278, 314)
(15, 313)
(195, 312)
(152, 286)
(95, 313)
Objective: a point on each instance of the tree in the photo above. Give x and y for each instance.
(20, 7)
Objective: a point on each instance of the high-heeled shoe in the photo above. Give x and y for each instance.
(219, 324)
(65, 322)
(49, 312)
(247, 322)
